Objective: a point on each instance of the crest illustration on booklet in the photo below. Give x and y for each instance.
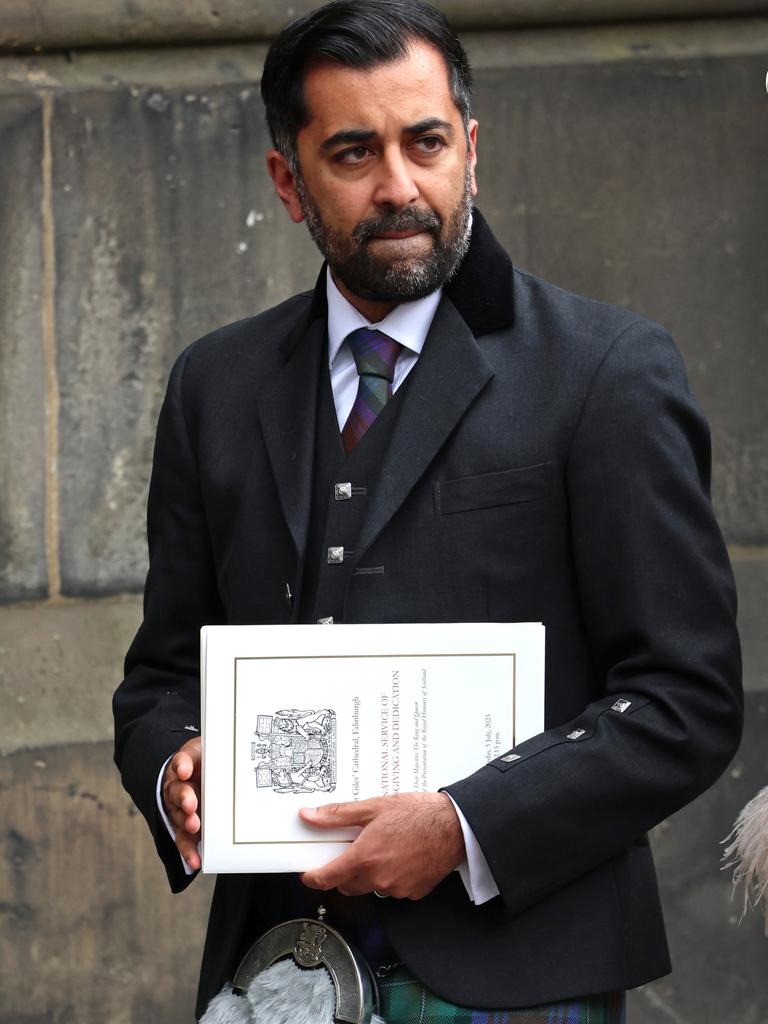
(295, 751)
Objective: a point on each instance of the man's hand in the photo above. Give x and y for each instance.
(181, 796)
(408, 844)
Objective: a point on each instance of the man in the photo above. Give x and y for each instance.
(496, 449)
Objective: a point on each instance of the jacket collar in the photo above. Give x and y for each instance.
(482, 288)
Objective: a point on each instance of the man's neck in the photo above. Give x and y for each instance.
(374, 312)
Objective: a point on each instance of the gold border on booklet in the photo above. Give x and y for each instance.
(319, 657)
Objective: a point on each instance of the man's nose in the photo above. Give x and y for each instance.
(396, 186)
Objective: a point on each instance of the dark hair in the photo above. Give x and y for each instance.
(354, 33)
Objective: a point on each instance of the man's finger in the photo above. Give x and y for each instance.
(192, 824)
(185, 822)
(187, 847)
(186, 761)
(337, 873)
(181, 795)
(357, 886)
(183, 766)
(356, 812)
(185, 797)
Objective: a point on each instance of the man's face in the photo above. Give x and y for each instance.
(387, 176)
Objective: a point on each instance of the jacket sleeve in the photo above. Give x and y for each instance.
(157, 706)
(658, 605)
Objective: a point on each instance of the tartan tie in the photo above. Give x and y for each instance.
(375, 357)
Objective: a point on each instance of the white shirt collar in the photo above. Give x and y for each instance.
(408, 323)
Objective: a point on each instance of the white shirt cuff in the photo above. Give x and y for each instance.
(168, 824)
(474, 870)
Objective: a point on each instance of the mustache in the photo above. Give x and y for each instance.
(406, 220)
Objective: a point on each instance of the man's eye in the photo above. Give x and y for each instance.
(352, 156)
(430, 143)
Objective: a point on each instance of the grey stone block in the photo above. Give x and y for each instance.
(23, 568)
(644, 182)
(166, 228)
(59, 666)
(751, 572)
(89, 931)
(718, 963)
(59, 24)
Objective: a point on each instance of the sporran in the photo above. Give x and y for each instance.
(300, 972)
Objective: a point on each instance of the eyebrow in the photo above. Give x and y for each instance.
(355, 136)
(348, 135)
(429, 124)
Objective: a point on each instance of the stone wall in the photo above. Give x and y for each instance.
(42, 25)
(624, 161)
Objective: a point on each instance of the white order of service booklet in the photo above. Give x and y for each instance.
(297, 716)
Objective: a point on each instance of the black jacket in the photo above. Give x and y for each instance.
(549, 463)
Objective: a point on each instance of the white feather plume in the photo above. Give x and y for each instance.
(283, 994)
(747, 853)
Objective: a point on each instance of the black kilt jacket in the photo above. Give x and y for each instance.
(548, 463)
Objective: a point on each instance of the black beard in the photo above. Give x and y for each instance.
(392, 279)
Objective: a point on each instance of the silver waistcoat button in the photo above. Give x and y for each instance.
(327, 621)
(335, 556)
(342, 492)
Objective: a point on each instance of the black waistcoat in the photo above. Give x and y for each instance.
(340, 491)
(342, 488)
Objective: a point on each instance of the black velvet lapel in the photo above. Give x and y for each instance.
(482, 288)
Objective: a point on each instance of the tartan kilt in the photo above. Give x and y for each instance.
(404, 1000)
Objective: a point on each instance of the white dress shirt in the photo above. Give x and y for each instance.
(409, 324)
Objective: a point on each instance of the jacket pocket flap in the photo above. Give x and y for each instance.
(487, 490)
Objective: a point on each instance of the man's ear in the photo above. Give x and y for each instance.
(472, 154)
(285, 184)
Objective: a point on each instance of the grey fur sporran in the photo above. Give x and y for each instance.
(300, 972)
